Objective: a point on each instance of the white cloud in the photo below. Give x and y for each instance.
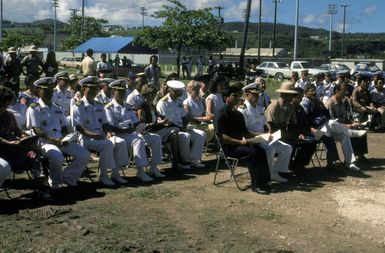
(313, 19)
(370, 9)
(339, 27)
(309, 19)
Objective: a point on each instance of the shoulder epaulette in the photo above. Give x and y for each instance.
(242, 106)
(33, 105)
(109, 104)
(164, 98)
(79, 103)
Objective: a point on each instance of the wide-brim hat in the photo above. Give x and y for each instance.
(287, 87)
(33, 48)
(11, 50)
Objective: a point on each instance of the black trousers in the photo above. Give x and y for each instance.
(302, 154)
(255, 159)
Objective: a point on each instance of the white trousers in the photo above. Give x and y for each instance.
(137, 144)
(55, 157)
(154, 141)
(283, 151)
(342, 134)
(194, 137)
(112, 152)
(5, 170)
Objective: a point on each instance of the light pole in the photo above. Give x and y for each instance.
(55, 4)
(296, 30)
(82, 28)
(244, 37)
(1, 20)
(276, 2)
(259, 31)
(332, 10)
(143, 12)
(343, 30)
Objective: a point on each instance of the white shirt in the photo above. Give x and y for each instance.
(102, 98)
(62, 99)
(20, 112)
(217, 99)
(89, 116)
(135, 99)
(254, 117)
(196, 106)
(50, 119)
(172, 110)
(120, 115)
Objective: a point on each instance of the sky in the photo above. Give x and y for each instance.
(362, 15)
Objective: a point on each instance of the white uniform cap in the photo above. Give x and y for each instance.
(44, 82)
(252, 88)
(106, 80)
(61, 75)
(119, 84)
(89, 81)
(175, 84)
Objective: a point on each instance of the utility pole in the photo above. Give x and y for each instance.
(82, 28)
(332, 10)
(259, 31)
(55, 4)
(296, 30)
(219, 8)
(343, 30)
(143, 12)
(74, 11)
(276, 2)
(1, 20)
(244, 39)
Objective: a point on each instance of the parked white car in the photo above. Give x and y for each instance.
(278, 70)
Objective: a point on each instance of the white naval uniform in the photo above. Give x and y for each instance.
(135, 99)
(123, 116)
(63, 99)
(112, 153)
(327, 91)
(301, 83)
(5, 171)
(102, 98)
(51, 119)
(255, 120)
(174, 111)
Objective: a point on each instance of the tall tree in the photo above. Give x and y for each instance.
(17, 39)
(183, 28)
(92, 28)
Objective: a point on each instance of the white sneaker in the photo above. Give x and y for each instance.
(53, 184)
(277, 178)
(104, 180)
(143, 176)
(154, 172)
(357, 133)
(353, 167)
(197, 164)
(117, 178)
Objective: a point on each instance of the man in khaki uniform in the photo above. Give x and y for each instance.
(89, 64)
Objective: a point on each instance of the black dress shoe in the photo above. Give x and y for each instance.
(261, 190)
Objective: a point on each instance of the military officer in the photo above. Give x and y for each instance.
(135, 98)
(123, 118)
(255, 120)
(61, 96)
(104, 95)
(89, 119)
(49, 123)
(171, 107)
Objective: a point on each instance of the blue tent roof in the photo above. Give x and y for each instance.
(104, 44)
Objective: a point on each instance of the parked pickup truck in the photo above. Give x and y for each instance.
(277, 70)
(305, 65)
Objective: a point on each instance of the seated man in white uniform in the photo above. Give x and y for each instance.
(124, 122)
(171, 107)
(104, 95)
(47, 121)
(5, 170)
(61, 95)
(255, 120)
(89, 119)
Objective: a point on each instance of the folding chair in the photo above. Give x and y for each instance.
(230, 162)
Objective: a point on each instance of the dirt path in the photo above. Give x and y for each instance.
(337, 211)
